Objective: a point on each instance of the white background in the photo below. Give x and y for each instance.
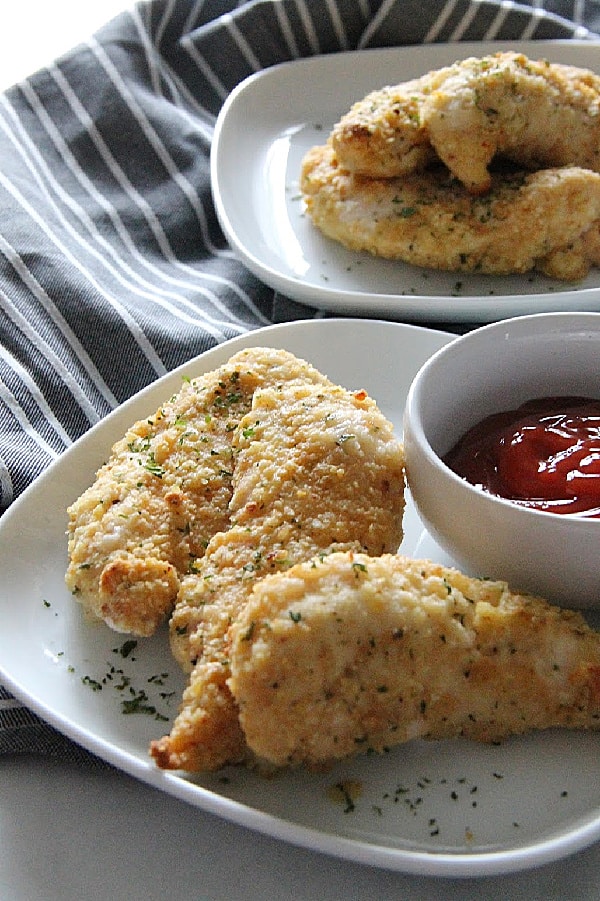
(35, 32)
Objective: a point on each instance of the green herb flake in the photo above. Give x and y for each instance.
(126, 648)
(91, 683)
(154, 468)
(346, 793)
(138, 703)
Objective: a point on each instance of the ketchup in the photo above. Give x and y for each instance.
(545, 455)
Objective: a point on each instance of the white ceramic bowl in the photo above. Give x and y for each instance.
(495, 368)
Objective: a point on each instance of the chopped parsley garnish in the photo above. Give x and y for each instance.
(153, 467)
(138, 703)
(92, 683)
(126, 648)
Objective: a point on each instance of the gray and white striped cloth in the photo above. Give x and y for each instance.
(113, 269)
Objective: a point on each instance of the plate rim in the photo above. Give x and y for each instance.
(465, 307)
(409, 861)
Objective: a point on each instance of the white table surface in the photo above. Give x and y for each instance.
(35, 32)
(75, 833)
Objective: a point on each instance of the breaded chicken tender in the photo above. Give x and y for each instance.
(536, 113)
(164, 492)
(527, 220)
(348, 654)
(316, 468)
(382, 134)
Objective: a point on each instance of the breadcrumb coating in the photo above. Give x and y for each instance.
(316, 468)
(347, 654)
(382, 135)
(164, 492)
(536, 113)
(546, 220)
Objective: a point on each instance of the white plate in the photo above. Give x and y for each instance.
(262, 133)
(449, 808)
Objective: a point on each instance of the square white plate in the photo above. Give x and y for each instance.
(445, 808)
(263, 131)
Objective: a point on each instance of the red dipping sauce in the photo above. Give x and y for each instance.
(545, 454)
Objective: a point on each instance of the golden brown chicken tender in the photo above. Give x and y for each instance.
(164, 492)
(347, 653)
(527, 220)
(536, 113)
(316, 468)
(382, 134)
